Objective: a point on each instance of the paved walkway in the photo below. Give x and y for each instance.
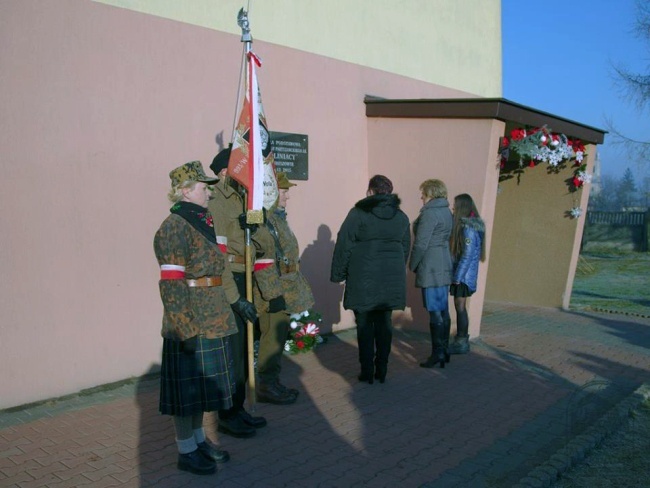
(535, 380)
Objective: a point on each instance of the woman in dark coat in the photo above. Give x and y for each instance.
(370, 255)
(432, 265)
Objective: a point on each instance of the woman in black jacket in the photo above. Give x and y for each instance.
(370, 255)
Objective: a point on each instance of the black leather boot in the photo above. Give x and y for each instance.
(235, 426)
(445, 337)
(195, 462)
(437, 351)
(268, 392)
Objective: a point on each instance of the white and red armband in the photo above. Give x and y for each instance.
(261, 264)
(172, 272)
(222, 242)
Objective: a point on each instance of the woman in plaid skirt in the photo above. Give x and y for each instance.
(199, 295)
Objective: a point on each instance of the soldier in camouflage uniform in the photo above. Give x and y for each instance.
(226, 207)
(199, 295)
(279, 290)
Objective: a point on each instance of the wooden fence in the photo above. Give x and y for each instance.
(626, 231)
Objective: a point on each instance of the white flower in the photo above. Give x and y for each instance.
(311, 329)
(305, 313)
(576, 212)
(584, 176)
(543, 139)
(295, 316)
(294, 324)
(287, 346)
(554, 143)
(579, 156)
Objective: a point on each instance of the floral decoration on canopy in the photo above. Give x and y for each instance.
(533, 146)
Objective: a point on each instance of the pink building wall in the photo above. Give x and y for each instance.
(98, 105)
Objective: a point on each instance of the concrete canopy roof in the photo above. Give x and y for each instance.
(481, 108)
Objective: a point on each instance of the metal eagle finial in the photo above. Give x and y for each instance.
(242, 21)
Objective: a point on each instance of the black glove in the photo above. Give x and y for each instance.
(245, 225)
(189, 346)
(277, 304)
(245, 309)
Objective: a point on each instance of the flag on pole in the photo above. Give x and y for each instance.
(251, 160)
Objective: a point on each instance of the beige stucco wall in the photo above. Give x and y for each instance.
(453, 44)
(536, 245)
(99, 104)
(410, 151)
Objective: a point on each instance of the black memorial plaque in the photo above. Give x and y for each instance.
(290, 151)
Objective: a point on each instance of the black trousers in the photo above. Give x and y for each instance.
(374, 336)
(239, 355)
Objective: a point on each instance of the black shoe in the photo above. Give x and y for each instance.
(281, 387)
(235, 427)
(255, 422)
(211, 452)
(196, 463)
(366, 377)
(270, 393)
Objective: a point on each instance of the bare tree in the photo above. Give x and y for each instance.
(635, 88)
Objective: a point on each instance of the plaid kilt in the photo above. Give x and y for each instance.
(199, 382)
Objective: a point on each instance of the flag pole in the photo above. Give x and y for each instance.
(247, 39)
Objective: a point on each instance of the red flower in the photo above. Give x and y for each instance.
(577, 182)
(577, 145)
(300, 344)
(517, 134)
(531, 164)
(505, 142)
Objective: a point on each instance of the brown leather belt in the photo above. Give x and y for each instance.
(288, 268)
(205, 281)
(234, 258)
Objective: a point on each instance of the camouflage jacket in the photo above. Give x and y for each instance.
(189, 311)
(226, 206)
(283, 277)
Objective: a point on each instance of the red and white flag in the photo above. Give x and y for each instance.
(251, 160)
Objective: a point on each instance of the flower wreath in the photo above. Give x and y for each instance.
(541, 145)
(304, 333)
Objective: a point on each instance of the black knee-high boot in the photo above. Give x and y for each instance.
(437, 329)
(445, 338)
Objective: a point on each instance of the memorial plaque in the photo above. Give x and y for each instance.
(290, 151)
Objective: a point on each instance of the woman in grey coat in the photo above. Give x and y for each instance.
(432, 265)
(370, 255)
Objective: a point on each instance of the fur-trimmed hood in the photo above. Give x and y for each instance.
(475, 223)
(381, 206)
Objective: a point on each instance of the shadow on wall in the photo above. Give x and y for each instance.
(315, 264)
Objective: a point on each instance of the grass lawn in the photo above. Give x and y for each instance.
(613, 282)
